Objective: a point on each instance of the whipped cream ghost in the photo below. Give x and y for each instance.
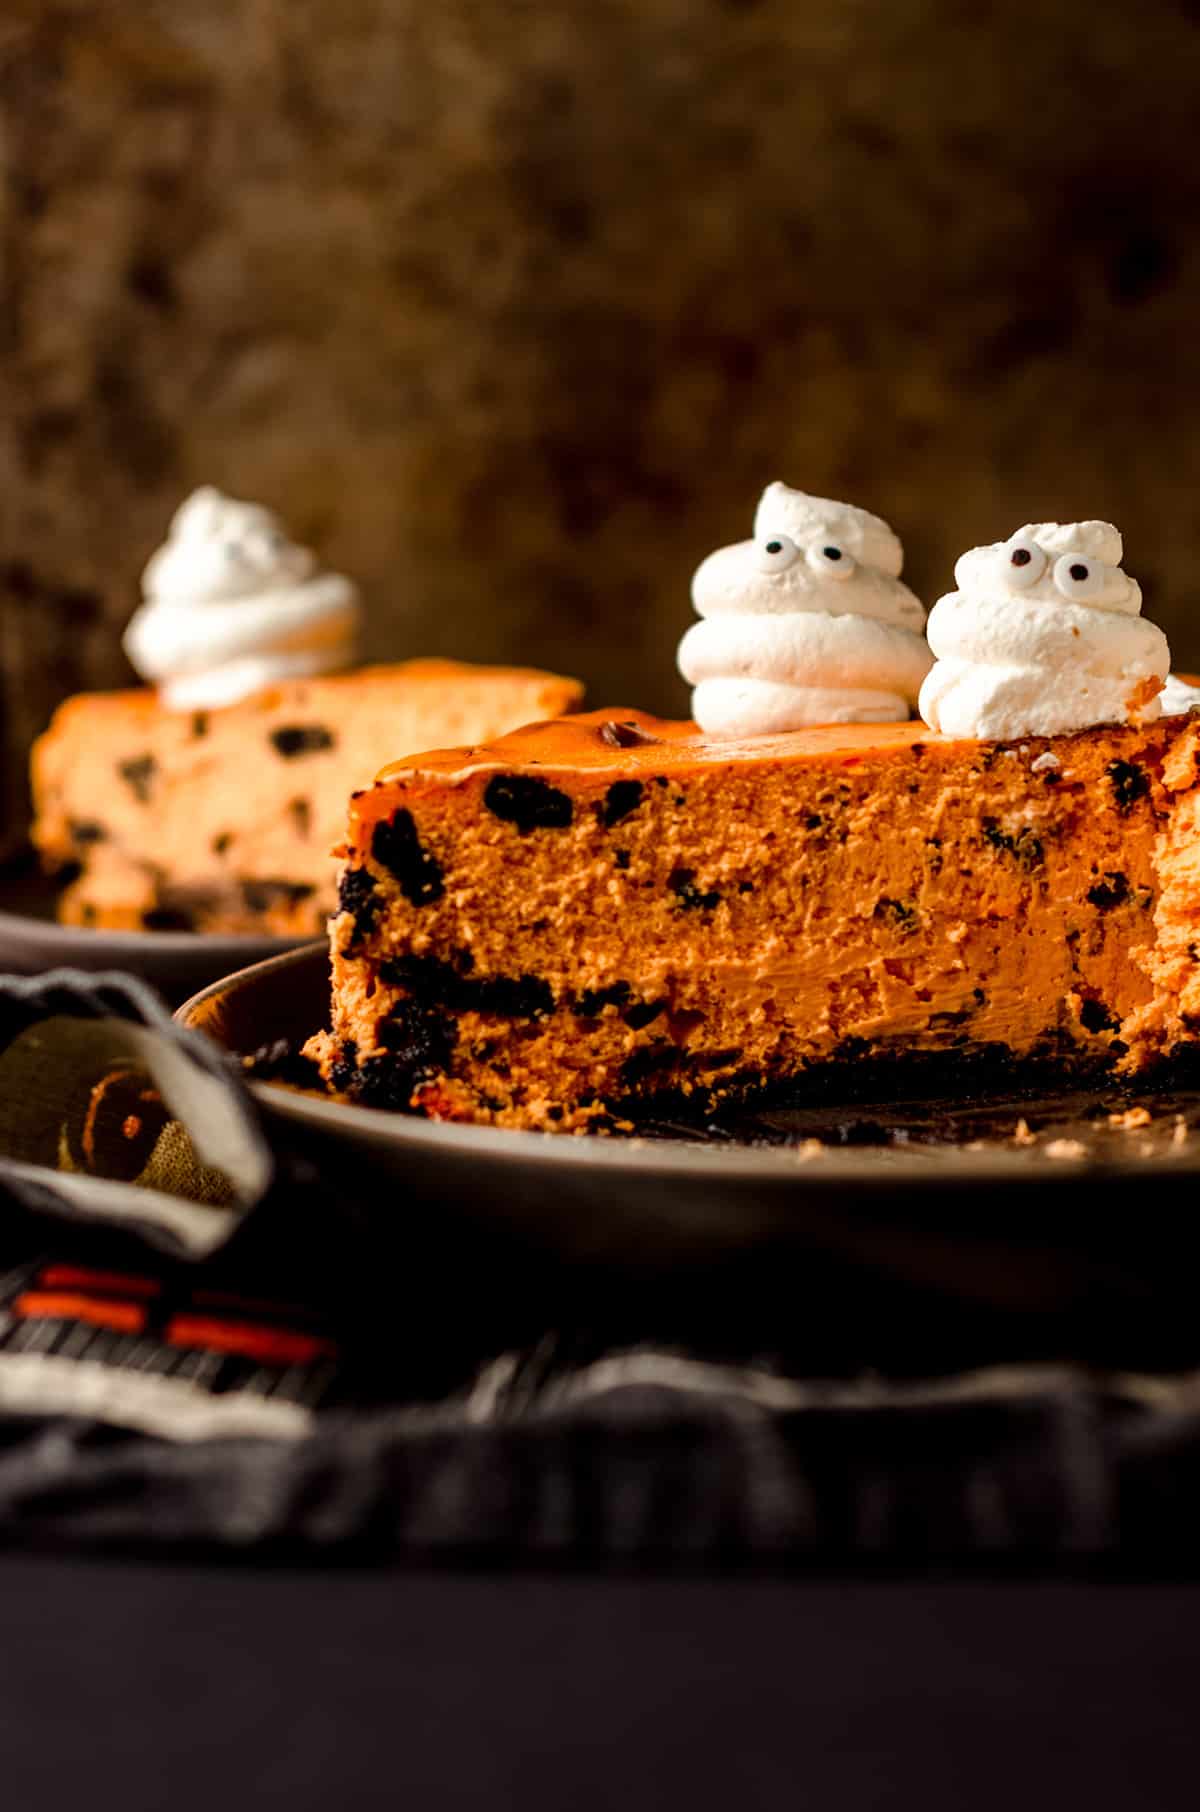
(233, 605)
(1042, 636)
(806, 624)
(1177, 697)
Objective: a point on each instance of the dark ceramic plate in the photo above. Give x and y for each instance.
(933, 1198)
(174, 962)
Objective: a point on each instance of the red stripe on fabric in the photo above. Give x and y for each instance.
(79, 1277)
(67, 1305)
(269, 1346)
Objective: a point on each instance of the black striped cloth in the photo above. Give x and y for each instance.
(205, 1344)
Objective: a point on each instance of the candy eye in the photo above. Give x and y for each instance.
(1079, 578)
(831, 560)
(776, 553)
(1023, 563)
(234, 553)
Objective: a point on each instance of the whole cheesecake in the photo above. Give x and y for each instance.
(573, 923)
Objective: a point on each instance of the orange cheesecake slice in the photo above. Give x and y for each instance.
(586, 917)
(224, 820)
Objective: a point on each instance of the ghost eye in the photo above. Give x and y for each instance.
(1022, 563)
(234, 553)
(831, 560)
(776, 553)
(1079, 578)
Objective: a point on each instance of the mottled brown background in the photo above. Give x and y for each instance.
(512, 307)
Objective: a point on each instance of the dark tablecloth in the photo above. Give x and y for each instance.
(146, 1687)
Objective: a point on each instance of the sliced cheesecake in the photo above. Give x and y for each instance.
(586, 916)
(224, 820)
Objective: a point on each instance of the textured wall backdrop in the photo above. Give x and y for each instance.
(512, 307)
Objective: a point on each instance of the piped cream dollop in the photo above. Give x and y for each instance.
(233, 605)
(1043, 636)
(808, 623)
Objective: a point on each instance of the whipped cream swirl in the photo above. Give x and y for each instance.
(1043, 636)
(806, 624)
(232, 605)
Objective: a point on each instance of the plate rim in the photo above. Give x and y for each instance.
(170, 943)
(871, 1170)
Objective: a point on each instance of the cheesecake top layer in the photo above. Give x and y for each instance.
(142, 705)
(635, 745)
(633, 742)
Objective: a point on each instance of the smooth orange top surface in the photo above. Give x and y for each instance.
(635, 742)
(143, 704)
